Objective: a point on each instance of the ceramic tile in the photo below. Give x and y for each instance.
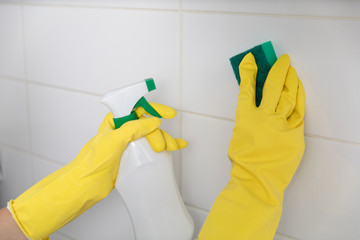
(13, 112)
(11, 42)
(326, 62)
(322, 200)
(107, 220)
(97, 50)
(205, 166)
(62, 122)
(154, 4)
(342, 8)
(43, 168)
(199, 217)
(16, 169)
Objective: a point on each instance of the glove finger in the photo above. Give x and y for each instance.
(164, 110)
(287, 99)
(182, 143)
(297, 116)
(136, 129)
(173, 144)
(107, 123)
(274, 83)
(160, 140)
(247, 70)
(156, 140)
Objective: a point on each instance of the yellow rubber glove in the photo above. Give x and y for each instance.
(67, 193)
(265, 151)
(160, 140)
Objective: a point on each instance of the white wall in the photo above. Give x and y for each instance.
(58, 57)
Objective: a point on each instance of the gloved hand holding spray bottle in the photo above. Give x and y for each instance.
(145, 179)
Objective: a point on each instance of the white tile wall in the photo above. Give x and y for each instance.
(205, 166)
(321, 202)
(97, 50)
(14, 115)
(61, 122)
(58, 57)
(11, 41)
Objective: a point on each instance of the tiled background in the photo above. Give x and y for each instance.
(58, 57)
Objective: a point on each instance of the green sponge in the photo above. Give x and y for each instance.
(265, 57)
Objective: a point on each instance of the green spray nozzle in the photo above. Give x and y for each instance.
(123, 102)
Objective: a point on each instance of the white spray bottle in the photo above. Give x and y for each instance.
(145, 179)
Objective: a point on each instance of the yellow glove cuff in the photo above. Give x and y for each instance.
(12, 212)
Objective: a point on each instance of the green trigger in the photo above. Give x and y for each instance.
(148, 108)
(120, 121)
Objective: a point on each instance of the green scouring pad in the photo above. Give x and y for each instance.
(265, 57)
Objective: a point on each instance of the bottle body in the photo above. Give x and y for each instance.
(147, 185)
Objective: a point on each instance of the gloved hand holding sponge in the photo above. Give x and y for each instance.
(67, 193)
(265, 150)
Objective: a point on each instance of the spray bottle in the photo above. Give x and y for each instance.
(146, 180)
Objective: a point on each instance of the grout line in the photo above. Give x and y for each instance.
(15, 79)
(102, 7)
(27, 92)
(31, 154)
(254, 14)
(286, 236)
(206, 115)
(10, 2)
(67, 5)
(50, 160)
(179, 110)
(64, 88)
(25, 73)
(181, 91)
(197, 208)
(306, 134)
(332, 139)
(64, 235)
(53, 86)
